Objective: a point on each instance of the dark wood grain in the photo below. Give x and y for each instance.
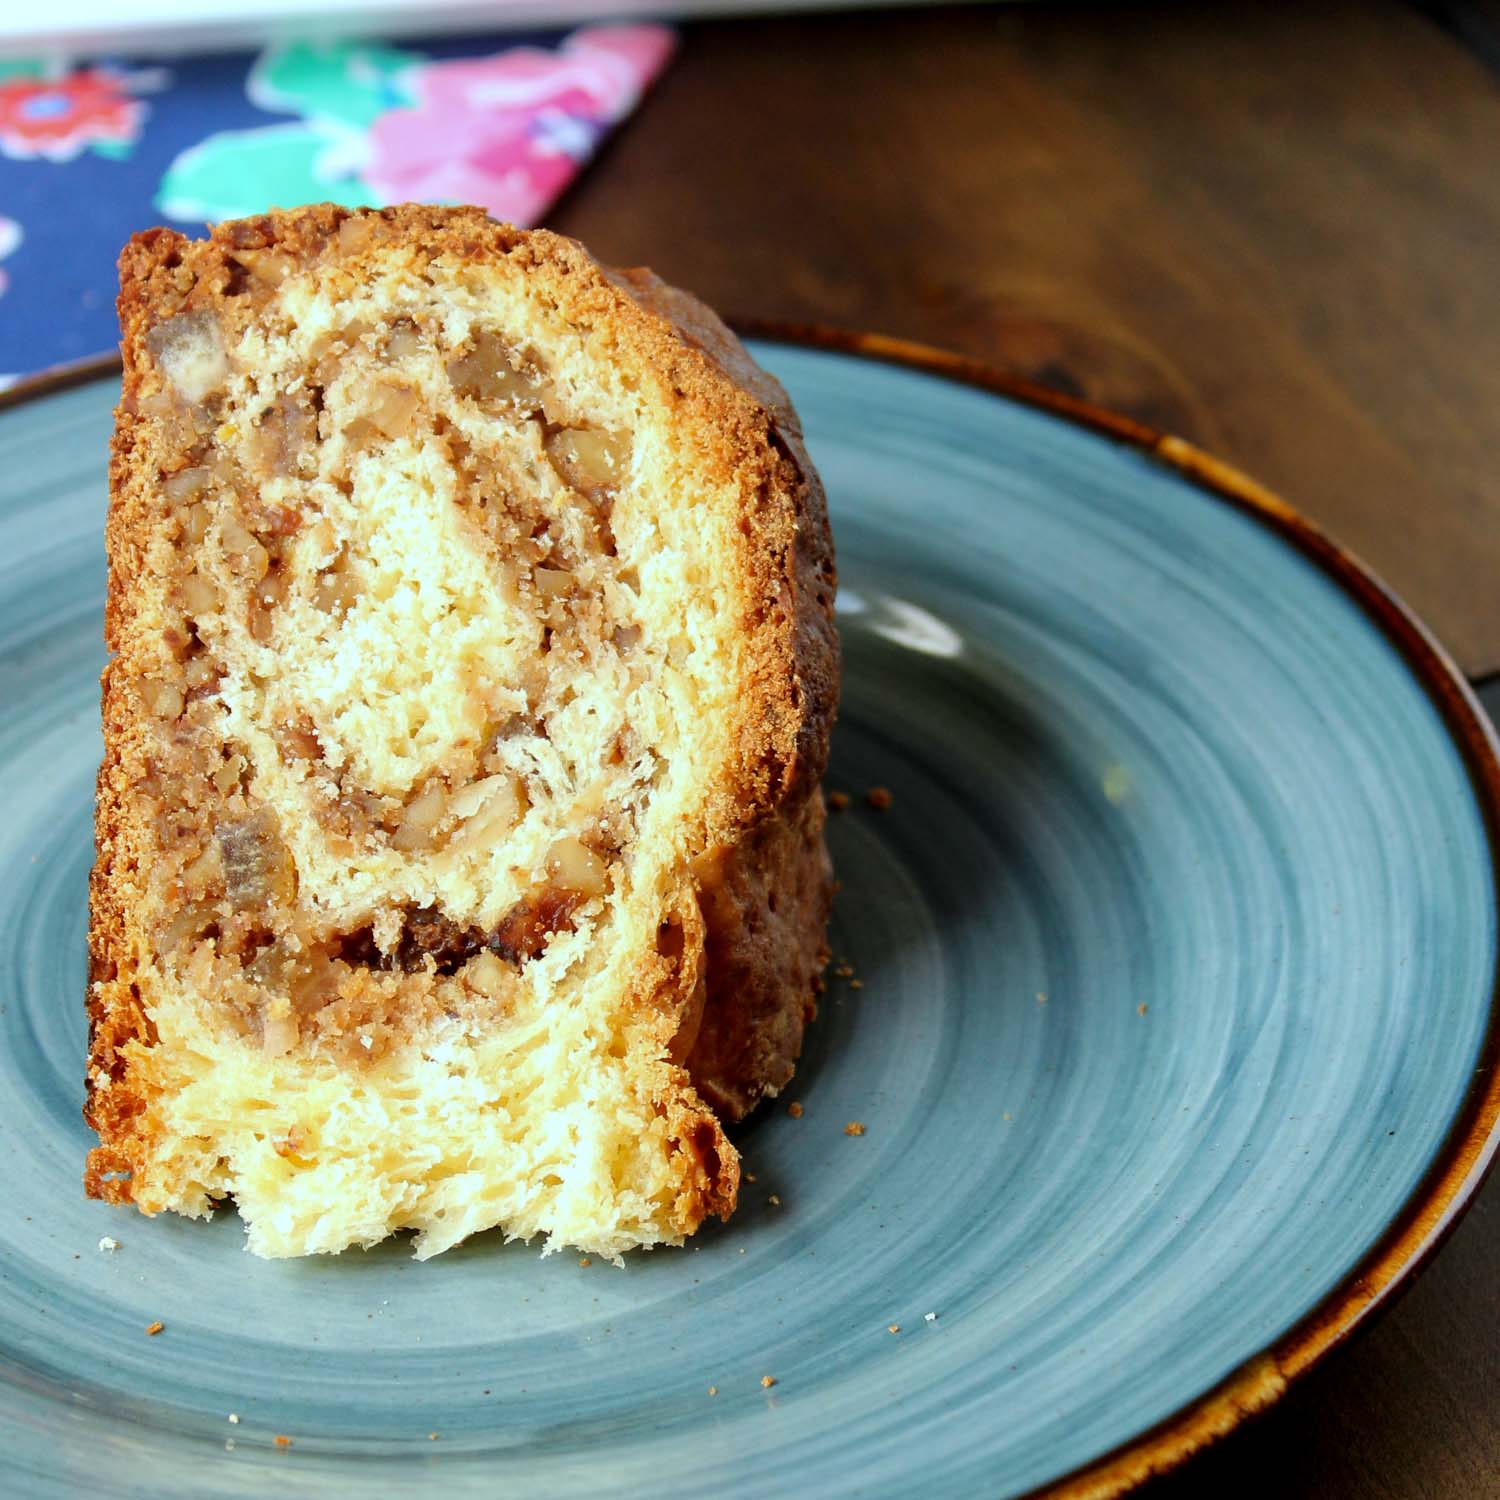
(1271, 229)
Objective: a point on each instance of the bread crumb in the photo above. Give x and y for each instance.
(283, 1441)
(1116, 784)
(879, 798)
(234, 1419)
(768, 1381)
(1041, 997)
(854, 1127)
(1005, 1117)
(713, 1390)
(775, 1201)
(794, 1110)
(1140, 1009)
(856, 984)
(893, 1328)
(432, 1437)
(585, 1261)
(749, 1176)
(929, 1317)
(152, 1329)
(109, 1244)
(838, 801)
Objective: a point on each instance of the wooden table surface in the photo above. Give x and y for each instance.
(1272, 229)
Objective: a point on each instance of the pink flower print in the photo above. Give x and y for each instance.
(56, 118)
(509, 132)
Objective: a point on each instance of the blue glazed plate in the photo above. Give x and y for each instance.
(1175, 960)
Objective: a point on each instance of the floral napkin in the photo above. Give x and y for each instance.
(90, 154)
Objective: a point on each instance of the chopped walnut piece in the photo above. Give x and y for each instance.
(390, 408)
(420, 820)
(588, 458)
(185, 485)
(268, 267)
(403, 341)
(554, 583)
(163, 700)
(575, 865)
(491, 371)
(244, 552)
(200, 596)
(257, 867)
(489, 808)
(282, 441)
(190, 351)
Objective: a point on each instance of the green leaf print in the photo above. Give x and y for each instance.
(346, 82)
(238, 172)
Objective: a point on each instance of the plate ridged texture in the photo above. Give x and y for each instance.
(1142, 754)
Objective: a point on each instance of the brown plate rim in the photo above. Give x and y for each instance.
(1469, 1150)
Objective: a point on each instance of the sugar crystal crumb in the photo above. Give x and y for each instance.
(930, 1317)
(109, 1244)
(713, 1390)
(893, 1328)
(768, 1381)
(234, 1418)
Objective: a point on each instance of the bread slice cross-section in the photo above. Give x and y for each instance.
(460, 842)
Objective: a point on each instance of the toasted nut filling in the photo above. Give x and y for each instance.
(256, 497)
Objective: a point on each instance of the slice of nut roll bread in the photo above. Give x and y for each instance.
(460, 841)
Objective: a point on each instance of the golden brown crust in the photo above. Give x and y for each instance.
(739, 1020)
(766, 909)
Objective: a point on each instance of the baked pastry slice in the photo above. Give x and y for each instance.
(460, 851)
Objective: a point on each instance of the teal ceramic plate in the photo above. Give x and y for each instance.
(1176, 958)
